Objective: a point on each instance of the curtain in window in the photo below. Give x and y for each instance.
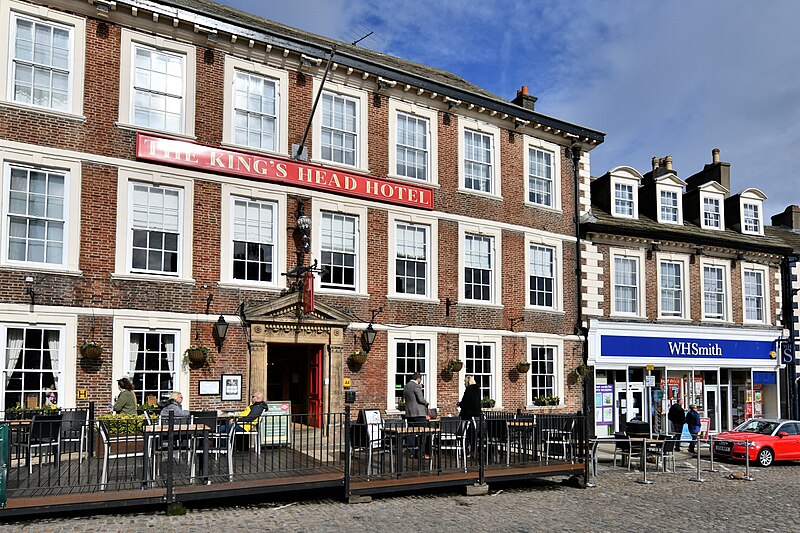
(133, 353)
(169, 353)
(14, 348)
(52, 339)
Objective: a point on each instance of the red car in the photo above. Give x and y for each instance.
(769, 439)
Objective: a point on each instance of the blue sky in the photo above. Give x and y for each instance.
(659, 78)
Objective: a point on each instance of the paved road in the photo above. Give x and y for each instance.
(617, 503)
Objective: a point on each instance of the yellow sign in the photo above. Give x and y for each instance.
(83, 394)
(650, 367)
(346, 383)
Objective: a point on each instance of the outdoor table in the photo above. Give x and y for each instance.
(395, 438)
(152, 433)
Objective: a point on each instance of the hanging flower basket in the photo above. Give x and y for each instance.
(523, 367)
(196, 356)
(358, 357)
(91, 350)
(581, 371)
(455, 365)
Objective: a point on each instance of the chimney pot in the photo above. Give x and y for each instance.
(655, 163)
(524, 89)
(668, 162)
(715, 155)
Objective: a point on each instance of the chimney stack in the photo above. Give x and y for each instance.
(668, 162)
(790, 218)
(525, 100)
(715, 156)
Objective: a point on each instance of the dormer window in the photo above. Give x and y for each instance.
(623, 200)
(669, 207)
(751, 219)
(712, 217)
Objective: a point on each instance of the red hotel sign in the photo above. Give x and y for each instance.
(201, 157)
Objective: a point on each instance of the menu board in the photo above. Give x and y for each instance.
(275, 424)
(604, 405)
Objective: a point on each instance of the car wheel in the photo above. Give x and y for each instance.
(765, 457)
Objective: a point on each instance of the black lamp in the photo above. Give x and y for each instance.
(369, 337)
(220, 332)
(304, 225)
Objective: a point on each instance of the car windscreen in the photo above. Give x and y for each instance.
(758, 426)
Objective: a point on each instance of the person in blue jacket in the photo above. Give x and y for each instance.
(693, 421)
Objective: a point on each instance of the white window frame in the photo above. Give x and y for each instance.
(532, 143)
(558, 270)
(683, 260)
(362, 146)
(558, 366)
(432, 289)
(486, 129)
(229, 192)
(764, 271)
(151, 322)
(720, 201)
(431, 115)
(124, 245)
(65, 369)
(634, 208)
(281, 79)
(727, 300)
(72, 212)
(759, 230)
(411, 335)
(496, 341)
(496, 278)
(10, 9)
(641, 290)
(678, 211)
(128, 41)
(346, 208)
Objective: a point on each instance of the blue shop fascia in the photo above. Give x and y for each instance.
(640, 370)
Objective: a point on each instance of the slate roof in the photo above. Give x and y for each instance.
(295, 39)
(604, 222)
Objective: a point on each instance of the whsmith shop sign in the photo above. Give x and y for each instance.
(633, 347)
(260, 167)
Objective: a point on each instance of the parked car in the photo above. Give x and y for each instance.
(768, 439)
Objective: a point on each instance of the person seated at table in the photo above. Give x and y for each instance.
(174, 405)
(126, 403)
(245, 420)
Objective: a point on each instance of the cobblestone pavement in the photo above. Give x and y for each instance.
(618, 502)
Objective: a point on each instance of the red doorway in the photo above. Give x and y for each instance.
(294, 373)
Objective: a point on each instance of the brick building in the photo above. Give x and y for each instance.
(158, 179)
(683, 293)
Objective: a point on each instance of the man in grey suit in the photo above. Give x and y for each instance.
(416, 407)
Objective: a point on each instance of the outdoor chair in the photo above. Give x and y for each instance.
(494, 435)
(118, 447)
(453, 437)
(74, 427)
(367, 440)
(623, 447)
(558, 442)
(665, 452)
(45, 432)
(254, 433)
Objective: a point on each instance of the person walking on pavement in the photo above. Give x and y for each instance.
(677, 418)
(416, 407)
(693, 421)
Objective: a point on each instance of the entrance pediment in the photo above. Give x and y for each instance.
(287, 311)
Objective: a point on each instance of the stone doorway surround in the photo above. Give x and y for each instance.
(282, 321)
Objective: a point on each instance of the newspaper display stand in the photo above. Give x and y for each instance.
(275, 424)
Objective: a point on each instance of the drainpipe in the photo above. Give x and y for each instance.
(579, 329)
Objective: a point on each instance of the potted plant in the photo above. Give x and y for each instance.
(540, 400)
(487, 403)
(91, 350)
(358, 357)
(197, 355)
(455, 365)
(126, 434)
(26, 413)
(552, 400)
(401, 404)
(523, 366)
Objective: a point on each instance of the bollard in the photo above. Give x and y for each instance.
(644, 480)
(697, 474)
(711, 448)
(747, 461)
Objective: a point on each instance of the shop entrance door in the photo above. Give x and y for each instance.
(711, 408)
(724, 408)
(630, 405)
